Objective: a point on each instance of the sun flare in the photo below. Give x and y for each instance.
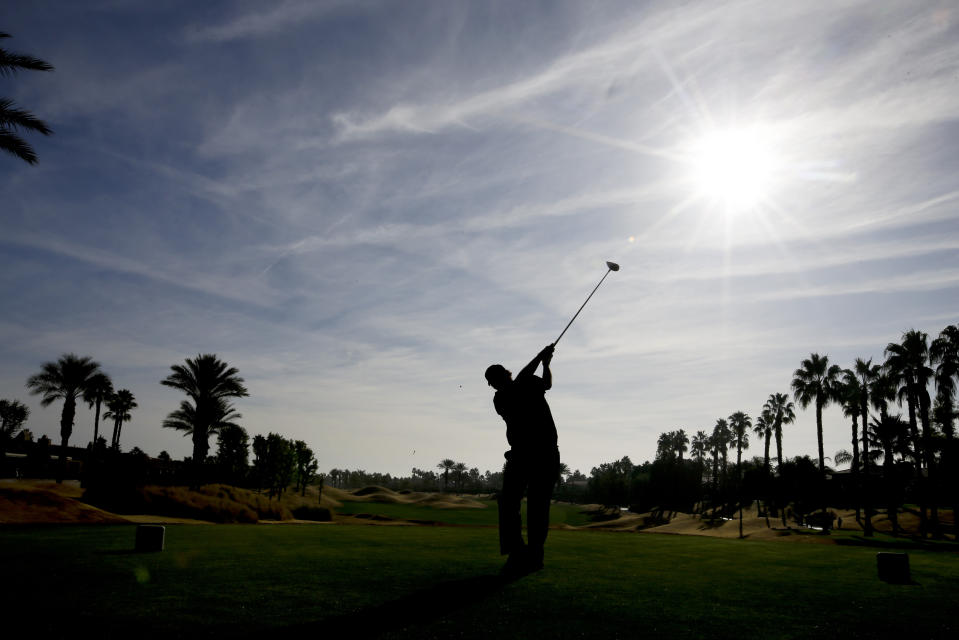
(733, 167)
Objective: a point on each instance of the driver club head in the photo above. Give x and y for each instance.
(612, 266)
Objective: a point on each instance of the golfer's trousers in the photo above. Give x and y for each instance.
(533, 474)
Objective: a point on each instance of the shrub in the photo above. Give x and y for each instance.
(214, 503)
(314, 513)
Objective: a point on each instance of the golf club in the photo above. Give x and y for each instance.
(612, 267)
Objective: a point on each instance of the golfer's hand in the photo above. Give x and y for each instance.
(547, 354)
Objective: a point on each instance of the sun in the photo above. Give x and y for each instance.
(734, 168)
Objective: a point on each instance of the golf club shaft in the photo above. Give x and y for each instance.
(583, 305)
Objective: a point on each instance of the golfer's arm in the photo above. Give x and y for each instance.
(529, 369)
(547, 376)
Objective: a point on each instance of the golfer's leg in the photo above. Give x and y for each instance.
(537, 506)
(510, 525)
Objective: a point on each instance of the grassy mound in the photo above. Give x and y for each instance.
(212, 503)
(21, 505)
(365, 491)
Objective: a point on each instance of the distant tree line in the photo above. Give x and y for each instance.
(456, 477)
(209, 384)
(894, 460)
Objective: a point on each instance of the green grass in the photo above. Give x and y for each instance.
(415, 582)
(559, 513)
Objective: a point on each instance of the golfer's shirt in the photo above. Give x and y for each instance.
(529, 422)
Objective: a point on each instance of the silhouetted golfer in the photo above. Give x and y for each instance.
(532, 463)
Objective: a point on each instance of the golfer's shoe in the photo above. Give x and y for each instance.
(517, 564)
(534, 559)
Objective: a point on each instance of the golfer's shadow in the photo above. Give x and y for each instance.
(412, 609)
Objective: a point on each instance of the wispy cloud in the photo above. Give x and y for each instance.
(266, 21)
(209, 284)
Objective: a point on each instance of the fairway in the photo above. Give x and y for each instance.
(559, 513)
(236, 580)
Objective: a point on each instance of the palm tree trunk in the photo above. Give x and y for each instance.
(779, 466)
(929, 456)
(866, 485)
(66, 430)
(769, 435)
(739, 474)
(715, 480)
(892, 508)
(822, 456)
(855, 464)
(716, 470)
(96, 423)
(822, 459)
(200, 448)
(779, 447)
(951, 467)
(917, 459)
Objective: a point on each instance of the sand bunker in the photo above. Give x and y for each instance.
(677, 523)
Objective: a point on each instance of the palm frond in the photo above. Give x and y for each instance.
(14, 144)
(11, 63)
(13, 118)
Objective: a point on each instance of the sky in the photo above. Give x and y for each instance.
(361, 205)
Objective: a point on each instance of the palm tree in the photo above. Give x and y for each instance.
(783, 413)
(764, 429)
(816, 381)
(842, 457)
(223, 415)
(680, 443)
(849, 396)
(699, 447)
(459, 474)
(906, 362)
(664, 446)
(66, 379)
(944, 352)
(739, 423)
(120, 404)
(209, 382)
(13, 120)
(719, 446)
(722, 437)
(99, 389)
(672, 445)
(562, 474)
(715, 442)
(890, 433)
(866, 372)
(447, 465)
(882, 391)
(13, 414)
